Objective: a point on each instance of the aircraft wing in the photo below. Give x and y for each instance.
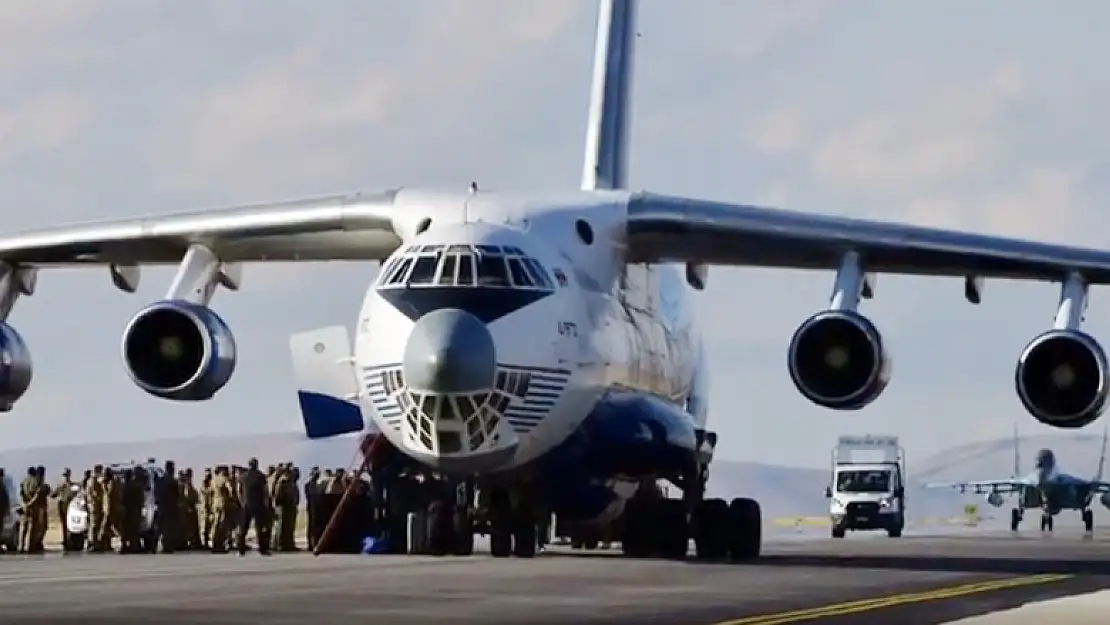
(339, 227)
(678, 229)
(983, 487)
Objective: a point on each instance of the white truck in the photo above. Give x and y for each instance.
(867, 494)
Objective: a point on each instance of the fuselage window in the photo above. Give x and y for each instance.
(423, 270)
(447, 273)
(466, 270)
(538, 273)
(492, 272)
(520, 276)
(399, 271)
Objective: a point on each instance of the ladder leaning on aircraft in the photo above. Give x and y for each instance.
(552, 331)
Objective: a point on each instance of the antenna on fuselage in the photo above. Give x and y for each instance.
(473, 187)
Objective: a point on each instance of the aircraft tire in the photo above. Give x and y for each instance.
(746, 529)
(500, 524)
(636, 536)
(838, 532)
(1088, 520)
(418, 530)
(1015, 519)
(440, 529)
(711, 530)
(673, 535)
(463, 532)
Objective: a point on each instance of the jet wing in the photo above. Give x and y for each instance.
(983, 487)
(670, 228)
(339, 227)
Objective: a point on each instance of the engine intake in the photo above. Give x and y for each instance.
(837, 360)
(1061, 379)
(1104, 499)
(15, 367)
(180, 351)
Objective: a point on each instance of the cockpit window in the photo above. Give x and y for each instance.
(463, 265)
(423, 270)
(519, 275)
(491, 271)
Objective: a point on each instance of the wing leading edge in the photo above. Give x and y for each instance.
(678, 229)
(985, 487)
(337, 227)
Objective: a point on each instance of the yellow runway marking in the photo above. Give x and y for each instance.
(867, 605)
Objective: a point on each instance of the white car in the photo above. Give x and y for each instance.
(77, 515)
(9, 531)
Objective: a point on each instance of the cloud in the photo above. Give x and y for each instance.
(949, 138)
(47, 122)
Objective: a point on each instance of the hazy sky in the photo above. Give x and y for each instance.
(986, 117)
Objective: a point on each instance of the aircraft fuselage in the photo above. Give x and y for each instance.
(514, 335)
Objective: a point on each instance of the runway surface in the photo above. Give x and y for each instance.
(913, 580)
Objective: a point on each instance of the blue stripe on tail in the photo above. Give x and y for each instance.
(326, 416)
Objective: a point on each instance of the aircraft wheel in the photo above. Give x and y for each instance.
(838, 532)
(1089, 520)
(711, 530)
(500, 530)
(673, 537)
(1015, 519)
(746, 529)
(440, 529)
(463, 532)
(1046, 522)
(636, 536)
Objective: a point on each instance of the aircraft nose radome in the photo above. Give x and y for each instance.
(450, 351)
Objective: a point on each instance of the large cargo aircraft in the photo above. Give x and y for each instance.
(544, 343)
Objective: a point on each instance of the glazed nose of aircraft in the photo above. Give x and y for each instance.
(450, 351)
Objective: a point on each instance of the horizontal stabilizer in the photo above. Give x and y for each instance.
(326, 382)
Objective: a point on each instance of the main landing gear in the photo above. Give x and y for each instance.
(1016, 516)
(1046, 522)
(1088, 520)
(655, 526)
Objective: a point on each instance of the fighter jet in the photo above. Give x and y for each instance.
(1046, 488)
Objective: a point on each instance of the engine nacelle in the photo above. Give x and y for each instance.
(180, 351)
(15, 367)
(1104, 499)
(837, 360)
(1061, 379)
(996, 500)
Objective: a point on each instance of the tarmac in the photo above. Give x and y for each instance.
(865, 578)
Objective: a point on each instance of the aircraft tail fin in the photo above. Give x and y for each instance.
(606, 161)
(1102, 456)
(327, 388)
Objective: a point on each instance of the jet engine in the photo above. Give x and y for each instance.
(1061, 379)
(1104, 499)
(15, 366)
(180, 351)
(837, 360)
(996, 500)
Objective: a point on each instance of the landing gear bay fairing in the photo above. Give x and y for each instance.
(543, 344)
(1046, 488)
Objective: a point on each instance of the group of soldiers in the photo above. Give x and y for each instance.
(230, 499)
